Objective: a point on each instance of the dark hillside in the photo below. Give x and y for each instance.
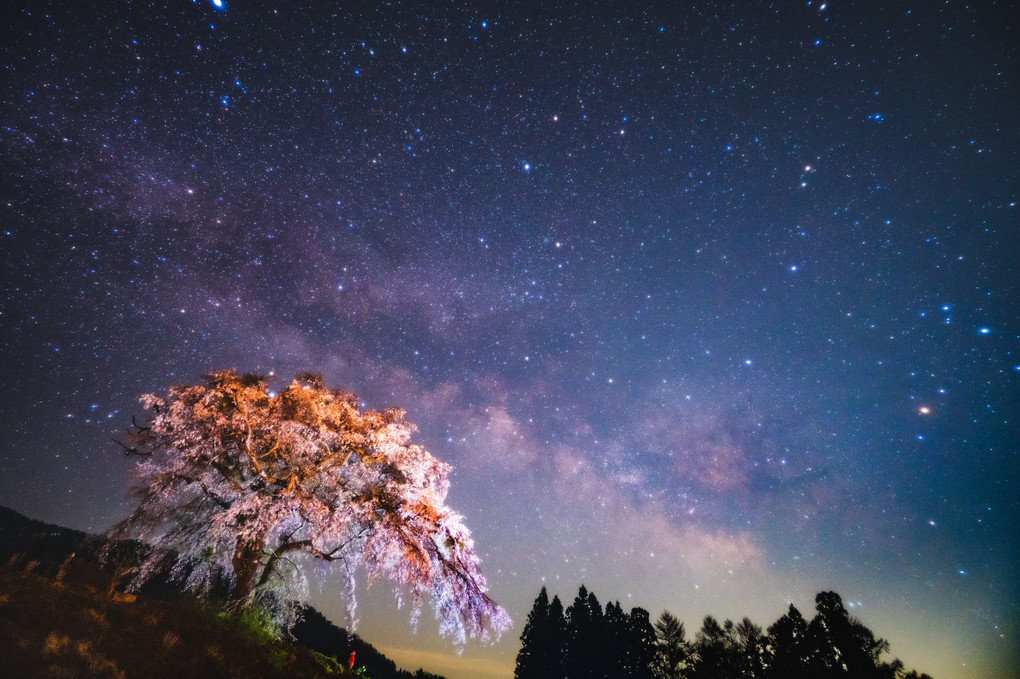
(317, 633)
(24, 540)
(60, 616)
(71, 629)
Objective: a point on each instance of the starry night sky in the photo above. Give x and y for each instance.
(712, 306)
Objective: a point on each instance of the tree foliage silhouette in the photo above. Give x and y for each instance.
(750, 648)
(541, 641)
(586, 640)
(529, 661)
(583, 643)
(787, 646)
(641, 636)
(840, 646)
(235, 480)
(672, 652)
(714, 650)
(608, 644)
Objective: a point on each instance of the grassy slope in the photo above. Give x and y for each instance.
(75, 628)
(72, 628)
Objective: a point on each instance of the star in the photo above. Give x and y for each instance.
(378, 193)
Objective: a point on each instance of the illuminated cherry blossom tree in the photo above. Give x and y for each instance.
(234, 480)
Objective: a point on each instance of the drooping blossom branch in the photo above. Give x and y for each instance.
(234, 480)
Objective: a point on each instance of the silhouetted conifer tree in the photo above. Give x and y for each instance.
(749, 646)
(640, 645)
(787, 646)
(581, 650)
(541, 642)
(528, 662)
(598, 642)
(713, 649)
(672, 652)
(613, 637)
(840, 646)
(556, 638)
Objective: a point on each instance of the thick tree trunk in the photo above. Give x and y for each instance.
(247, 563)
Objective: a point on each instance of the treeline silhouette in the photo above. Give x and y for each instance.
(589, 641)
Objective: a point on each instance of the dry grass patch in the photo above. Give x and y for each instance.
(72, 629)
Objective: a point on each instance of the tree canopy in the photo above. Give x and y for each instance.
(236, 481)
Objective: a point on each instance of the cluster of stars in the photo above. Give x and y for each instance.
(759, 266)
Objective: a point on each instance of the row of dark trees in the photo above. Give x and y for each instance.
(589, 641)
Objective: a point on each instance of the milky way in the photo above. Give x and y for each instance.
(711, 308)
